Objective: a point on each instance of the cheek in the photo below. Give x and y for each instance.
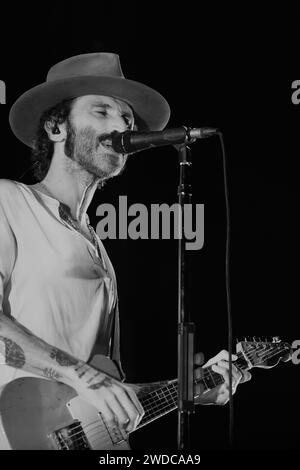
(87, 139)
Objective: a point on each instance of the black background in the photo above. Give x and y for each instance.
(229, 67)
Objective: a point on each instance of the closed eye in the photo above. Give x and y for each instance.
(127, 120)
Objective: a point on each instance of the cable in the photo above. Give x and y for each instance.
(227, 278)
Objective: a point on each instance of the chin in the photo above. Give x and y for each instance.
(114, 163)
(107, 171)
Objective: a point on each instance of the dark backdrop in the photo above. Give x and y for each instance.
(217, 66)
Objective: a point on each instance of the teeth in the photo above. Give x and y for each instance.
(107, 143)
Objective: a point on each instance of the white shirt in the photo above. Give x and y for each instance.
(52, 280)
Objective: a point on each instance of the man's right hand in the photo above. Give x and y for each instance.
(117, 402)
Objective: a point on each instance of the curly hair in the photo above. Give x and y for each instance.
(42, 152)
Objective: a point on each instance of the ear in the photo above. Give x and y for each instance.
(56, 132)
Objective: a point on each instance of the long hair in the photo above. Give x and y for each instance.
(43, 147)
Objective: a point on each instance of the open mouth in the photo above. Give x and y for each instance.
(106, 142)
(107, 146)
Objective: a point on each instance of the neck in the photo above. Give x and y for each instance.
(72, 185)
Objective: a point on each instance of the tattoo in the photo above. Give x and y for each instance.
(51, 374)
(106, 381)
(93, 378)
(14, 354)
(62, 358)
(84, 369)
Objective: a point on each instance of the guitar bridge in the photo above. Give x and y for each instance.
(70, 437)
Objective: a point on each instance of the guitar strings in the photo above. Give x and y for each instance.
(168, 408)
(150, 415)
(268, 353)
(160, 398)
(89, 435)
(171, 395)
(81, 434)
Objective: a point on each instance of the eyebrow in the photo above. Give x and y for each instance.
(108, 106)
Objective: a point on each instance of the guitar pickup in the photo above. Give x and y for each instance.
(70, 437)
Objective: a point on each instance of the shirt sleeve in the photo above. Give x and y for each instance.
(8, 250)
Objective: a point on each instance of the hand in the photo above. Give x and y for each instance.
(117, 402)
(220, 394)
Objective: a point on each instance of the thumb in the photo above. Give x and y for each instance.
(245, 377)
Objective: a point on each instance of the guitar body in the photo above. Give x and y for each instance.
(40, 414)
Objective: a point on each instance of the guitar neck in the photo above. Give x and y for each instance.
(161, 398)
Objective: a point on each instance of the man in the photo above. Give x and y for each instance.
(57, 286)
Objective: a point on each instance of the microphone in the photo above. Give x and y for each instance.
(133, 141)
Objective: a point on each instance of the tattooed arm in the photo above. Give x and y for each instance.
(116, 401)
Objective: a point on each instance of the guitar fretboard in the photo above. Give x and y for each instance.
(160, 398)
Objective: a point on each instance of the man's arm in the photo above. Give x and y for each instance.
(21, 349)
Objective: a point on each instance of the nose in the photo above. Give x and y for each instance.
(120, 124)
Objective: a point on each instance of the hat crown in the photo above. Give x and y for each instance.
(94, 64)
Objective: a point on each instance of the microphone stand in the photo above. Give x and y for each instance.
(186, 329)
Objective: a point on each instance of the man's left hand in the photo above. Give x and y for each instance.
(219, 363)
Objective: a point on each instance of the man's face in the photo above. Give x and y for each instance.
(92, 118)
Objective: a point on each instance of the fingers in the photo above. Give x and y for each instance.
(126, 407)
(222, 355)
(246, 376)
(222, 368)
(220, 394)
(139, 411)
(114, 413)
(199, 358)
(198, 390)
(116, 402)
(198, 373)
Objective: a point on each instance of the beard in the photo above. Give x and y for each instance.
(82, 147)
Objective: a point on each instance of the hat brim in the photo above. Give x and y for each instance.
(151, 110)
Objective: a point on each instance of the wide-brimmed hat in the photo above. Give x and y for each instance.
(87, 74)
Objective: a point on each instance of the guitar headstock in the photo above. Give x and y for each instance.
(264, 353)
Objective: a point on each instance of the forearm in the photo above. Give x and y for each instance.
(23, 350)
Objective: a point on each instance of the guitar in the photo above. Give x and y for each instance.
(43, 415)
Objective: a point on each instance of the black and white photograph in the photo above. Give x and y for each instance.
(149, 235)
